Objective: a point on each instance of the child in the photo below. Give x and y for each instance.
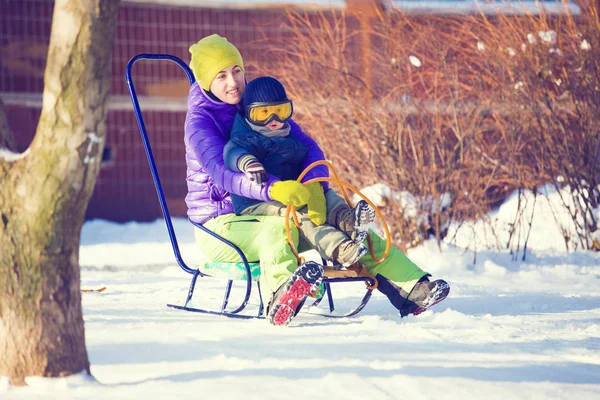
(261, 143)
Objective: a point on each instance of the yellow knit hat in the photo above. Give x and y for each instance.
(210, 56)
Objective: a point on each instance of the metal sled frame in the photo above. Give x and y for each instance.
(236, 313)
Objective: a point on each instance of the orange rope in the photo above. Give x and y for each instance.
(342, 185)
(289, 209)
(377, 212)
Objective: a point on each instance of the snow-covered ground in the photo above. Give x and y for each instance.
(509, 330)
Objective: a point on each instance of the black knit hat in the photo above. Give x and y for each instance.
(264, 90)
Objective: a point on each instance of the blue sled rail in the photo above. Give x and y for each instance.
(172, 236)
(163, 203)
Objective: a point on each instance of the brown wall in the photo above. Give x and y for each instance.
(125, 190)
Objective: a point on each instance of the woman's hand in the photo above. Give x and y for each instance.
(289, 192)
(317, 205)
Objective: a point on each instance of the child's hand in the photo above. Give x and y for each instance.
(317, 205)
(289, 192)
(255, 171)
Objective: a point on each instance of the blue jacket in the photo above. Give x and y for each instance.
(283, 157)
(207, 129)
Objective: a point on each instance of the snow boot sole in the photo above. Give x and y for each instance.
(439, 292)
(289, 298)
(364, 216)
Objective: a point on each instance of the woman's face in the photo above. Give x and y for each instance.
(229, 85)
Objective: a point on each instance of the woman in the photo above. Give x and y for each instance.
(212, 106)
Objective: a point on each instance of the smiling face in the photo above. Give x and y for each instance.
(228, 86)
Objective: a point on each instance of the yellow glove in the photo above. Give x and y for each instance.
(317, 205)
(289, 192)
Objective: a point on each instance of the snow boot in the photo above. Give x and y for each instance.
(290, 297)
(349, 252)
(354, 221)
(424, 295)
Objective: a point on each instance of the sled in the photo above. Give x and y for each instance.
(242, 270)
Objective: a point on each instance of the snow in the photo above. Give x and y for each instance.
(8, 155)
(548, 36)
(550, 219)
(585, 45)
(93, 139)
(415, 61)
(509, 330)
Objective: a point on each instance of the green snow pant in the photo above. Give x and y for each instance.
(323, 238)
(263, 239)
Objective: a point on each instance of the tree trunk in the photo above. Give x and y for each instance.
(44, 197)
(7, 140)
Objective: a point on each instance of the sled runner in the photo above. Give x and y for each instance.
(242, 270)
(99, 290)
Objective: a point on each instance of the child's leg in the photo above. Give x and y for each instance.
(334, 202)
(329, 241)
(271, 208)
(352, 221)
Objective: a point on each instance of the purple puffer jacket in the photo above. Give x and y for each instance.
(207, 127)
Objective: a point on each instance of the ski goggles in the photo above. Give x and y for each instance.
(264, 113)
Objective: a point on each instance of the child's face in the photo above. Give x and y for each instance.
(229, 85)
(275, 125)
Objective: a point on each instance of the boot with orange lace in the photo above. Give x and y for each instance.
(290, 297)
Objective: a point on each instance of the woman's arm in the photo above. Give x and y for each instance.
(204, 139)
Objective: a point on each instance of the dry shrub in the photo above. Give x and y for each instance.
(551, 91)
(429, 111)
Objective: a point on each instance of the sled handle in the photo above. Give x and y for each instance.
(291, 210)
